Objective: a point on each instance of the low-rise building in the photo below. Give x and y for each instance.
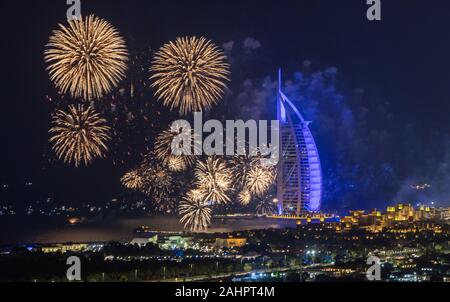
(143, 241)
(230, 242)
(64, 248)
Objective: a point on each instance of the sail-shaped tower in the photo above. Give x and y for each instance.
(299, 175)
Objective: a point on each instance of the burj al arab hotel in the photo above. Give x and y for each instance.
(299, 173)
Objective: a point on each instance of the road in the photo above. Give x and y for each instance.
(240, 274)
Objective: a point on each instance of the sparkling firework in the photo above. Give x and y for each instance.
(196, 194)
(176, 164)
(196, 213)
(163, 150)
(157, 185)
(259, 180)
(241, 166)
(133, 180)
(79, 135)
(190, 74)
(214, 179)
(244, 197)
(87, 58)
(151, 179)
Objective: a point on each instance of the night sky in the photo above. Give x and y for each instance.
(403, 61)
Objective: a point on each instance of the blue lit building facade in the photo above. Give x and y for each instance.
(299, 174)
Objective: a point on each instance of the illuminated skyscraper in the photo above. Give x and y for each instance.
(299, 179)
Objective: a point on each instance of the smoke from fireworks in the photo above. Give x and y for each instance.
(195, 212)
(189, 74)
(79, 135)
(87, 58)
(214, 179)
(420, 187)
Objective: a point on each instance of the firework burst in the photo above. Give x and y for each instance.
(163, 149)
(153, 180)
(241, 166)
(189, 74)
(176, 164)
(259, 180)
(214, 179)
(133, 180)
(157, 185)
(79, 135)
(87, 58)
(244, 197)
(196, 213)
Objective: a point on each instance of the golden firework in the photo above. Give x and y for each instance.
(259, 180)
(158, 184)
(245, 197)
(87, 58)
(196, 193)
(154, 181)
(190, 74)
(163, 149)
(196, 213)
(214, 180)
(241, 165)
(79, 135)
(176, 164)
(133, 180)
